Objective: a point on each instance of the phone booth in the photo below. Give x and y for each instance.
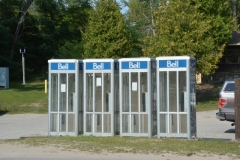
(176, 102)
(100, 84)
(64, 98)
(136, 96)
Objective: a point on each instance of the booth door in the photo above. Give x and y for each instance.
(172, 99)
(135, 103)
(63, 110)
(98, 103)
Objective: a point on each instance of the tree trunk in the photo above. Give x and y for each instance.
(234, 10)
(152, 17)
(21, 20)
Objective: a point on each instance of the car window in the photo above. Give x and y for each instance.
(230, 87)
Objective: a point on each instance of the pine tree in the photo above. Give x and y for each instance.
(106, 35)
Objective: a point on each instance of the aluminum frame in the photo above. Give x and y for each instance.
(136, 65)
(58, 67)
(100, 67)
(176, 64)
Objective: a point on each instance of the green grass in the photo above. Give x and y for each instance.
(207, 97)
(136, 145)
(30, 98)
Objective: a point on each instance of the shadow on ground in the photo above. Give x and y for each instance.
(3, 112)
(230, 131)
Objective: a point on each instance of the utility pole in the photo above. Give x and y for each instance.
(23, 65)
(237, 108)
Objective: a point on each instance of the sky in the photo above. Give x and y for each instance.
(124, 8)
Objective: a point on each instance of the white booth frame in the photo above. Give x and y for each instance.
(76, 98)
(189, 99)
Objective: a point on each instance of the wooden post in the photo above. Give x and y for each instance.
(237, 108)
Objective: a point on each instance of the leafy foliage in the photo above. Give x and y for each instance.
(65, 29)
(106, 35)
(140, 20)
(50, 29)
(184, 28)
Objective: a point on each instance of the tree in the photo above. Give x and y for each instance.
(15, 24)
(47, 29)
(9, 11)
(187, 28)
(140, 19)
(235, 6)
(60, 27)
(75, 20)
(106, 35)
(19, 25)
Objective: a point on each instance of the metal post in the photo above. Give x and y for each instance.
(45, 86)
(237, 109)
(23, 65)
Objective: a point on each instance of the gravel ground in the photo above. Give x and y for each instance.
(29, 125)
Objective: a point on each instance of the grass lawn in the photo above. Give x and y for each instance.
(30, 98)
(207, 97)
(136, 145)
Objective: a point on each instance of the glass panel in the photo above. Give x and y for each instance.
(183, 123)
(173, 91)
(173, 123)
(98, 123)
(125, 125)
(182, 91)
(63, 90)
(107, 123)
(71, 92)
(143, 92)
(88, 122)
(144, 123)
(163, 123)
(163, 91)
(53, 122)
(98, 92)
(62, 124)
(54, 92)
(89, 92)
(125, 92)
(71, 123)
(135, 123)
(134, 92)
(107, 91)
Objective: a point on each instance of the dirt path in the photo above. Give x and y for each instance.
(17, 151)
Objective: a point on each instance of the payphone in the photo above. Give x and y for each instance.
(136, 96)
(99, 99)
(176, 102)
(64, 90)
